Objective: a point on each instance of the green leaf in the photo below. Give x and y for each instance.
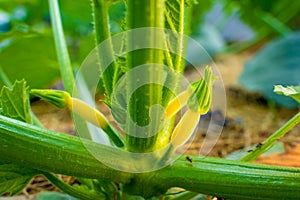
(173, 14)
(277, 63)
(54, 196)
(33, 58)
(13, 178)
(15, 102)
(290, 91)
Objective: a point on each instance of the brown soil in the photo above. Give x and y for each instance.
(249, 120)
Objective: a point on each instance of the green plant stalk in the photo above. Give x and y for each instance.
(179, 66)
(61, 48)
(268, 143)
(63, 154)
(150, 14)
(184, 28)
(58, 153)
(82, 194)
(102, 33)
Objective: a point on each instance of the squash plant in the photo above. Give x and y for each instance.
(147, 164)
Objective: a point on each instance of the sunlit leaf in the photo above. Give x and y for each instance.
(13, 178)
(15, 102)
(290, 91)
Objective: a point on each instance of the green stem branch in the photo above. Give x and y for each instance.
(81, 194)
(64, 154)
(102, 33)
(150, 15)
(268, 143)
(61, 47)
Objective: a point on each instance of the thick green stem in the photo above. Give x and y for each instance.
(46, 150)
(146, 13)
(230, 179)
(102, 33)
(268, 143)
(53, 152)
(61, 47)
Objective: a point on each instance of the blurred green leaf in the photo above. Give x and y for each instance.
(277, 63)
(14, 178)
(15, 102)
(30, 12)
(32, 58)
(54, 196)
(199, 10)
(290, 91)
(76, 24)
(284, 11)
(117, 13)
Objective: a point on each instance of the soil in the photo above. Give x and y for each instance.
(249, 120)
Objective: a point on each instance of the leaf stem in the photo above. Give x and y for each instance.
(268, 143)
(102, 33)
(61, 47)
(81, 194)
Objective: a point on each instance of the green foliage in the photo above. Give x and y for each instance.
(277, 63)
(267, 16)
(31, 57)
(13, 178)
(24, 12)
(199, 9)
(290, 91)
(117, 14)
(54, 196)
(15, 102)
(67, 155)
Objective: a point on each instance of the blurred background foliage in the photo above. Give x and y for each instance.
(220, 26)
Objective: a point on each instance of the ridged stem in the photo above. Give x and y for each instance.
(146, 13)
(64, 154)
(102, 33)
